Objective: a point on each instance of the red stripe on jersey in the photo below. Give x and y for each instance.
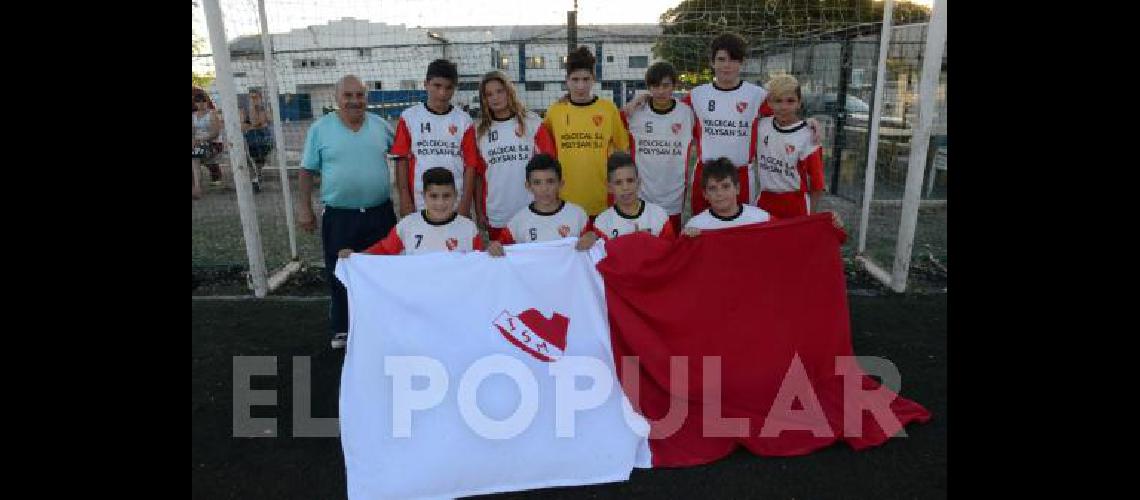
(505, 236)
(402, 145)
(480, 164)
(390, 245)
(765, 109)
(544, 141)
(752, 140)
(812, 168)
(697, 197)
(745, 185)
(469, 149)
(495, 233)
(601, 234)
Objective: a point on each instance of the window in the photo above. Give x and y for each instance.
(638, 61)
(535, 62)
(364, 52)
(609, 58)
(407, 85)
(468, 86)
(239, 74)
(314, 63)
(562, 65)
(377, 85)
(535, 86)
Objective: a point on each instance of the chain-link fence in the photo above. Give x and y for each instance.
(831, 47)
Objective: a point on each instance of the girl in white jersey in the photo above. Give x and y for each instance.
(507, 137)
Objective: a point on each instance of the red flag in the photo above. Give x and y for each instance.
(760, 312)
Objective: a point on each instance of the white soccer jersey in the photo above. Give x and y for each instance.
(747, 215)
(726, 120)
(651, 218)
(503, 155)
(659, 143)
(786, 158)
(530, 225)
(415, 235)
(430, 140)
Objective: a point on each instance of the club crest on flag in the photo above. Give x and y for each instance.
(452, 129)
(741, 106)
(676, 128)
(564, 230)
(789, 148)
(597, 120)
(452, 244)
(542, 338)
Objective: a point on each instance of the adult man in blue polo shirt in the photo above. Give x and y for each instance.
(347, 150)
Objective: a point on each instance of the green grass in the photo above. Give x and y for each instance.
(217, 239)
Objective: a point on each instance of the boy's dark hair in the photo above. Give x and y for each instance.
(442, 68)
(729, 42)
(617, 160)
(581, 58)
(438, 176)
(543, 162)
(719, 169)
(659, 71)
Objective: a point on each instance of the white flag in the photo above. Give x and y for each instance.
(466, 375)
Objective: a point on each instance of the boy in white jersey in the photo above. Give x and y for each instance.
(721, 186)
(660, 136)
(436, 228)
(629, 213)
(549, 217)
(435, 134)
(726, 113)
(789, 166)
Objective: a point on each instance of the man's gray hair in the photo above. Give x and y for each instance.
(340, 83)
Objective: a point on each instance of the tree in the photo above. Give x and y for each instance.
(688, 27)
(205, 79)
